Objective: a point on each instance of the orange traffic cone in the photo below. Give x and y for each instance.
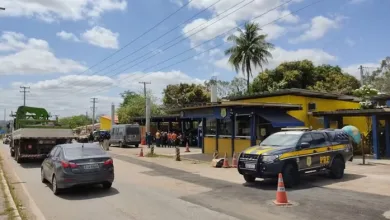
(234, 160)
(281, 195)
(141, 153)
(187, 148)
(225, 162)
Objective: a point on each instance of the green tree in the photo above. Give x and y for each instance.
(133, 105)
(250, 50)
(235, 87)
(379, 78)
(75, 121)
(305, 75)
(182, 94)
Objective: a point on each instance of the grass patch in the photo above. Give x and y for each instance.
(8, 209)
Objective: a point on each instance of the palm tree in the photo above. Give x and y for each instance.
(250, 49)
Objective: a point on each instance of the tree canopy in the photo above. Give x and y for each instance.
(249, 50)
(133, 105)
(75, 121)
(236, 87)
(305, 75)
(183, 94)
(380, 77)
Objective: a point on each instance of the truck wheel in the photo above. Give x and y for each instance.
(290, 175)
(337, 168)
(136, 145)
(17, 155)
(11, 152)
(249, 178)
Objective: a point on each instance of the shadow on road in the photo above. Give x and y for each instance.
(31, 164)
(85, 192)
(307, 182)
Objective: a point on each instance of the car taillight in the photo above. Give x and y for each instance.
(109, 162)
(68, 164)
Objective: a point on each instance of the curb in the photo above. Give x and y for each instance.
(16, 214)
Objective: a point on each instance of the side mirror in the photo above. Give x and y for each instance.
(304, 145)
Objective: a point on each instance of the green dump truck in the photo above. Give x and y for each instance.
(34, 134)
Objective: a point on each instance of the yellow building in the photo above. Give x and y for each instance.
(234, 125)
(105, 122)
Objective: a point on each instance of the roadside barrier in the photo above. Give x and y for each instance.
(187, 148)
(225, 162)
(234, 160)
(177, 154)
(141, 153)
(281, 195)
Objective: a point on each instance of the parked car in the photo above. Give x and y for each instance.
(125, 135)
(75, 164)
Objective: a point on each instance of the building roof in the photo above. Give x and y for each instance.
(298, 92)
(109, 118)
(381, 97)
(354, 112)
(243, 104)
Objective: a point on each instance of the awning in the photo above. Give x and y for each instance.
(281, 119)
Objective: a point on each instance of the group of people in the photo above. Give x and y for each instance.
(168, 139)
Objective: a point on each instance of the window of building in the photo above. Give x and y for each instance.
(243, 126)
(211, 126)
(226, 127)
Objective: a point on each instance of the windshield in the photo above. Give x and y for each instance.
(80, 152)
(281, 139)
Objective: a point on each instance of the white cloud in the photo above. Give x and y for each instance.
(101, 37)
(353, 69)
(249, 12)
(350, 42)
(53, 10)
(319, 26)
(31, 56)
(159, 80)
(70, 95)
(67, 36)
(317, 56)
(177, 2)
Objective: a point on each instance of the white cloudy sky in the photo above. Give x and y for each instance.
(56, 47)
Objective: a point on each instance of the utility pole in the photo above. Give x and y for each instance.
(361, 75)
(86, 126)
(24, 93)
(147, 108)
(5, 112)
(93, 112)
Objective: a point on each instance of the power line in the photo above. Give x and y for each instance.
(158, 50)
(200, 44)
(137, 38)
(24, 93)
(159, 37)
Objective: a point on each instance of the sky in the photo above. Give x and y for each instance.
(69, 51)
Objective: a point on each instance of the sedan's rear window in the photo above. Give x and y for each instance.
(83, 152)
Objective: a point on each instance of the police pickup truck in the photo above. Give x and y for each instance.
(293, 153)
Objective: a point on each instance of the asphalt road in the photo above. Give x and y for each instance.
(145, 190)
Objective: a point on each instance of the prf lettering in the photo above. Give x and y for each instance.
(324, 160)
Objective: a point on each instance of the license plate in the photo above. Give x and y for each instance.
(250, 165)
(91, 166)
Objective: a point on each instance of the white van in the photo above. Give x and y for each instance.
(125, 135)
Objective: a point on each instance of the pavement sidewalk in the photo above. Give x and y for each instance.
(5, 211)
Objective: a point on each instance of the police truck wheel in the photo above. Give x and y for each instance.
(337, 169)
(11, 152)
(290, 176)
(249, 178)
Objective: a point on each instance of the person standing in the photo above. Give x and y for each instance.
(174, 139)
(158, 138)
(149, 138)
(169, 141)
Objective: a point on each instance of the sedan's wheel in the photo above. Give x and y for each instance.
(43, 179)
(107, 185)
(54, 186)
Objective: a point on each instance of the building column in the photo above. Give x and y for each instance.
(233, 121)
(182, 125)
(169, 126)
(253, 129)
(326, 122)
(387, 133)
(158, 125)
(375, 141)
(217, 134)
(340, 122)
(203, 133)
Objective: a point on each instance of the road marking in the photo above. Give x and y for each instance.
(387, 214)
(10, 199)
(33, 206)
